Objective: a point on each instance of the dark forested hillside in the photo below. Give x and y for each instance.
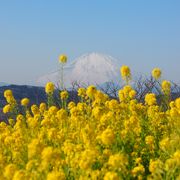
(35, 94)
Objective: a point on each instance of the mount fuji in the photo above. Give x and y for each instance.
(91, 68)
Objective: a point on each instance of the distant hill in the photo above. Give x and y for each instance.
(35, 94)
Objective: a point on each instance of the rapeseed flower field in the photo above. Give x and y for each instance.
(96, 138)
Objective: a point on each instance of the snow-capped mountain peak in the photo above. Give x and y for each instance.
(91, 68)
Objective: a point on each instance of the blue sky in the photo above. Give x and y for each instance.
(142, 34)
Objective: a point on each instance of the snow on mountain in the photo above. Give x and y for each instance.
(3, 84)
(92, 68)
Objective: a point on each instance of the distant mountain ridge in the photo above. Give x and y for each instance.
(35, 94)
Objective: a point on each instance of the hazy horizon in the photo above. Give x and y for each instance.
(141, 34)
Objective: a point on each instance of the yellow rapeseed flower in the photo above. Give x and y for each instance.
(6, 108)
(138, 170)
(63, 58)
(155, 165)
(164, 143)
(132, 94)
(42, 107)
(111, 176)
(166, 87)
(10, 169)
(34, 109)
(49, 89)
(56, 175)
(150, 99)
(64, 95)
(47, 153)
(149, 140)
(125, 73)
(19, 175)
(177, 103)
(25, 102)
(107, 136)
(11, 100)
(87, 158)
(53, 110)
(7, 93)
(118, 161)
(156, 73)
(91, 90)
(82, 92)
(71, 105)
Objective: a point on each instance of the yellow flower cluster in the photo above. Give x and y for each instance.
(127, 93)
(63, 58)
(96, 138)
(125, 73)
(49, 88)
(25, 102)
(64, 95)
(6, 108)
(166, 87)
(156, 73)
(11, 106)
(150, 99)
